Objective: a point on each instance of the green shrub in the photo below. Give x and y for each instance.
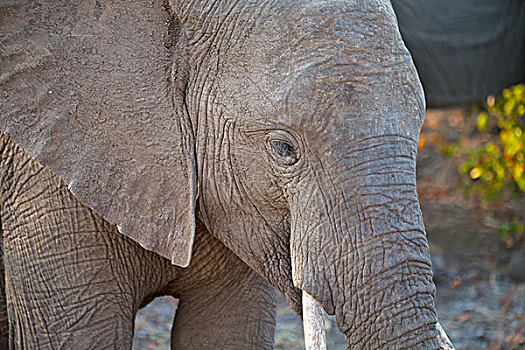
(497, 169)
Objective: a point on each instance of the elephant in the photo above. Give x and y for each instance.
(216, 151)
(464, 50)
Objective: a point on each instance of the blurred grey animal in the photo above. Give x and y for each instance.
(464, 50)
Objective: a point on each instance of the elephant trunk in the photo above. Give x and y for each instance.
(359, 248)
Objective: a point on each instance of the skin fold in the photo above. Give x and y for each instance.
(256, 145)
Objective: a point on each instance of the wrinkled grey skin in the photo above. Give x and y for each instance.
(274, 143)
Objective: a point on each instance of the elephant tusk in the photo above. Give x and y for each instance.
(444, 341)
(313, 321)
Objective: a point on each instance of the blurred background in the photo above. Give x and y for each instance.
(470, 56)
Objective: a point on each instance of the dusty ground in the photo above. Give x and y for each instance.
(478, 304)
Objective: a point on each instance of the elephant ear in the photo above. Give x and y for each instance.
(89, 89)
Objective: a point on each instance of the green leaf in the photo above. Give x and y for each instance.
(482, 121)
(504, 228)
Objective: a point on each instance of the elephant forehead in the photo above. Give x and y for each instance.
(328, 67)
(295, 35)
(340, 28)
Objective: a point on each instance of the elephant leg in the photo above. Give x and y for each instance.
(72, 281)
(224, 303)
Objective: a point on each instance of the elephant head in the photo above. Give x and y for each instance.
(289, 128)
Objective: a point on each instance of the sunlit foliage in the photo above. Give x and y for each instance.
(499, 168)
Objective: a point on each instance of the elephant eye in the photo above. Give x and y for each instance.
(284, 152)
